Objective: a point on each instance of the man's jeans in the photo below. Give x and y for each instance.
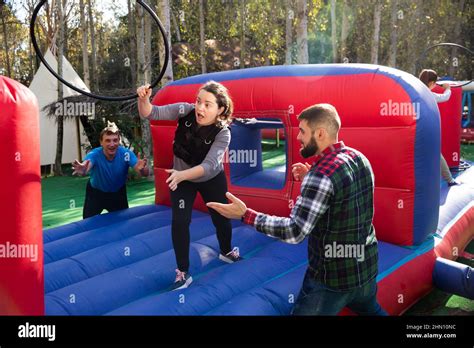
(317, 299)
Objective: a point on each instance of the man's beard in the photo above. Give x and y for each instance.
(309, 150)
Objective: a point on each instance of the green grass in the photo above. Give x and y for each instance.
(272, 155)
(63, 198)
(467, 152)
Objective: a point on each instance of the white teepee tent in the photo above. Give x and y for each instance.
(45, 87)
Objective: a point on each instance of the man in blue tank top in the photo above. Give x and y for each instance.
(108, 168)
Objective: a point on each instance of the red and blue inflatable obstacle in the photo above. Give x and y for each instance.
(122, 263)
(388, 115)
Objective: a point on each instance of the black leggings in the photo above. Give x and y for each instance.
(97, 200)
(182, 200)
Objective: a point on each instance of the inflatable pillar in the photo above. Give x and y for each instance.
(450, 114)
(21, 245)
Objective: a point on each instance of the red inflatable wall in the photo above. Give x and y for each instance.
(399, 142)
(21, 243)
(450, 113)
(357, 131)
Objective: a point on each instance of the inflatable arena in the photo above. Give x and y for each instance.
(122, 263)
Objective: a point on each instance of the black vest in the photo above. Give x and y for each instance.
(191, 143)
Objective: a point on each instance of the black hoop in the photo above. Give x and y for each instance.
(122, 98)
(425, 52)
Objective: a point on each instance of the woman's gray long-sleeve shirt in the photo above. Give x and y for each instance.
(213, 162)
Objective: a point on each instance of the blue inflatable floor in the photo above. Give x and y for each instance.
(123, 263)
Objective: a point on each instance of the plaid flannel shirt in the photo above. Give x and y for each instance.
(335, 209)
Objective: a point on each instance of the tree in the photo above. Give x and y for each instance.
(374, 53)
(133, 42)
(392, 58)
(264, 38)
(88, 129)
(302, 32)
(414, 44)
(456, 34)
(202, 43)
(3, 12)
(344, 30)
(333, 31)
(143, 76)
(94, 82)
(242, 33)
(141, 47)
(60, 118)
(13, 44)
(147, 48)
(289, 31)
(165, 12)
(28, 6)
(85, 53)
(176, 26)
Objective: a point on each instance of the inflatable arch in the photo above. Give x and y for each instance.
(387, 114)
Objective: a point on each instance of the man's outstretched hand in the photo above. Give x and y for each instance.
(142, 165)
(299, 170)
(234, 210)
(80, 168)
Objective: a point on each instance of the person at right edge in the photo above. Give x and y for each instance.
(429, 78)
